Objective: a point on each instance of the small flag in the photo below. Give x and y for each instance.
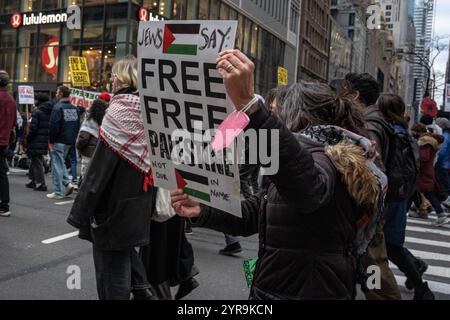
(195, 185)
(181, 39)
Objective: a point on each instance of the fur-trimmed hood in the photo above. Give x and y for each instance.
(353, 156)
(433, 140)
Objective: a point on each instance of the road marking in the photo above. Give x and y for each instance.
(424, 230)
(60, 238)
(434, 285)
(430, 255)
(14, 170)
(441, 244)
(423, 222)
(432, 270)
(64, 203)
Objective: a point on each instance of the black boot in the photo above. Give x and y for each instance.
(31, 185)
(186, 287)
(422, 267)
(423, 292)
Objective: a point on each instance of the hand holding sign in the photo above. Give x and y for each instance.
(238, 74)
(185, 206)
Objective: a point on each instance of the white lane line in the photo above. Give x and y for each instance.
(430, 255)
(424, 230)
(14, 170)
(440, 244)
(432, 270)
(60, 238)
(434, 285)
(423, 222)
(64, 203)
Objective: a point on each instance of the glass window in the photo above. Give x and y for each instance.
(112, 54)
(224, 11)
(9, 6)
(214, 10)
(240, 32)
(68, 3)
(93, 24)
(165, 8)
(47, 33)
(65, 53)
(28, 36)
(7, 61)
(203, 12)
(71, 37)
(247, 35)
(254, 41)
(94, 59)
(192, 9)
(179, 10)
(8, 38)
(47, 59)
(94, 2)
(116, 23)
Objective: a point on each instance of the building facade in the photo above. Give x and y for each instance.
(37, 53)
(340, 52)
(314, 40)
(423, 21)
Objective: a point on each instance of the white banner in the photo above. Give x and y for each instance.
(181, 91)
(26, 95)
(76, 97)
(447, 97)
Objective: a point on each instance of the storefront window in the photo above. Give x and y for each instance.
(179, 9)
(71, 37)
(8, 38)
(68, 3)
(116, 23)
(254, 41)
(65, 53)
(47, 33)
(94, 56)
(94, 2)
(240, 32)
(224, 11)
(214, 10)
(27, 64)
(192, 10)
(93, 24)
(247, 35)
(9, 6)
(203, 12)
(7, 61)
(112, 54)
(28, 36)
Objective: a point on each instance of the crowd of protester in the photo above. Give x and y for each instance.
(352, 167)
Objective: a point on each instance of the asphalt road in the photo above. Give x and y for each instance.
(33, 270)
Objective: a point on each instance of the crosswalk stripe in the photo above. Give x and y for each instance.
(435, 286)
(425, 230)
(434, 243)
(430, 255)
(432, 270)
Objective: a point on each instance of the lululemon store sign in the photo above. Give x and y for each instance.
(72, 17)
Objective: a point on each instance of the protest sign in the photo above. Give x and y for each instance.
(282, 76)
(26, 94)
(79, 72)
(181, 91)
(447, 97)
(77, 99)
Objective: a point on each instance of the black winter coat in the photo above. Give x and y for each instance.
(306, 222)
(39, 130)
(113, 215)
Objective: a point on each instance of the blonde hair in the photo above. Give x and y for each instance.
(126, 71)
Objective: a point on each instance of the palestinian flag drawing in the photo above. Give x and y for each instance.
(195, 185)
(181, 39)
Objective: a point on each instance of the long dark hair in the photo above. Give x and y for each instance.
(97, 111)
(312, 104)
(393, 108)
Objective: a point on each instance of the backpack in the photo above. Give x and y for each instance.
(403, 165)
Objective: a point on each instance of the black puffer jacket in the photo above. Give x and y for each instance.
(306, 222)
(111, 214)
(39, 131)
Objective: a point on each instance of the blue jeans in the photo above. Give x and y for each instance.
(60, 176)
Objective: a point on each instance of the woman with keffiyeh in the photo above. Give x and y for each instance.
(116, 201)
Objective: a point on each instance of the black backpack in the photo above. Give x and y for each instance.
(403, 165)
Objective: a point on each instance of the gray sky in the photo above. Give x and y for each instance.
(442, 28)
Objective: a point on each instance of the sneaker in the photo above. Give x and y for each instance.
(422, 267)
(69, 189)
(4, 212)
(423, 292)
(231, 249)
(55, 196)
(186, 287)
(42, 188)
(441, 221)
(31, 185)
(418, 215)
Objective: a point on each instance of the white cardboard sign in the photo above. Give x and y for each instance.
(181, 89)
(26, 95)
